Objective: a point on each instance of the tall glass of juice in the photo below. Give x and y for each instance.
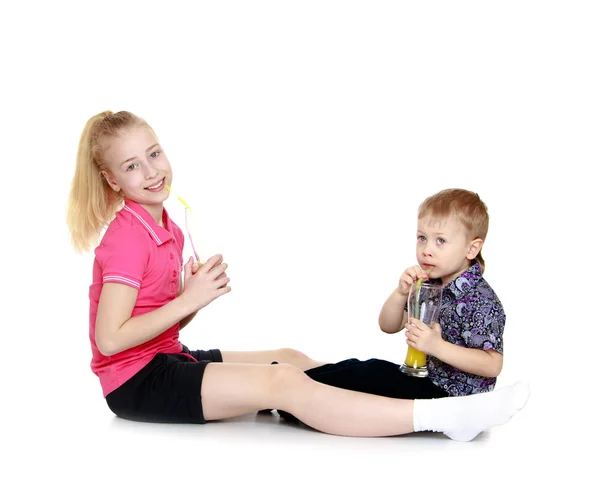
(424, 302)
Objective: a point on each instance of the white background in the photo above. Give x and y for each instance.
(305, 135)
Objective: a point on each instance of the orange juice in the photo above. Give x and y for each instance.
(415, 359)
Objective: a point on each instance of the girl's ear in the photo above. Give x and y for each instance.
(110, 179)
(474, 248)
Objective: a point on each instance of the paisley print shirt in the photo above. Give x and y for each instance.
(471, 316)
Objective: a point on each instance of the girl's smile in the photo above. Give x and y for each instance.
(138, 168)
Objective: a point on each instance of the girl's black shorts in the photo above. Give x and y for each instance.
(166, 390)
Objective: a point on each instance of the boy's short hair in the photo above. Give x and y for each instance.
(466, 205)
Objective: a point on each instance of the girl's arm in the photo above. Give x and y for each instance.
(117, 330)
(185, 321)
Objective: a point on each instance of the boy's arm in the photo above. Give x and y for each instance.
(470, 358)
(487, 363)
(393, 317)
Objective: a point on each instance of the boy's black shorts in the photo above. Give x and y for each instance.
(166, 390)
(374, 376)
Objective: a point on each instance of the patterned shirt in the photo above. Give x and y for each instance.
(471, 316)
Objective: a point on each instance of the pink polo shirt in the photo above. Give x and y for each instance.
(137, 252)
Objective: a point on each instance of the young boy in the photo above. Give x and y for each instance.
(464, 351)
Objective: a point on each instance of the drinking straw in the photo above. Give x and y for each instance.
(188, 213)
(417, 291)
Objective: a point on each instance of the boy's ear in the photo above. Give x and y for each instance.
(474, 248)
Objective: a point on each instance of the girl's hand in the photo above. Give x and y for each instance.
(197, 266)
(204, 283)
(410, 276)
(422, 337)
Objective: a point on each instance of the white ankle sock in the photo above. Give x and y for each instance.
(462, 418)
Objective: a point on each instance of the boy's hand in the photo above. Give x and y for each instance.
(410, 276)
(422, 337)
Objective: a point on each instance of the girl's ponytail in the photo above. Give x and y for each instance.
(92, 203)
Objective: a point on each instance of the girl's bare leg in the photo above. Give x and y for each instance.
(230, 390)
(284, 355)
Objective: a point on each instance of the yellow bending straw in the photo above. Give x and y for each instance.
(187, 207)
(199, 258)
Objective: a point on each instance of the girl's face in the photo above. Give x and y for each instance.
(137, 166)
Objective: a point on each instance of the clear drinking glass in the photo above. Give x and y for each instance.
(424, 302)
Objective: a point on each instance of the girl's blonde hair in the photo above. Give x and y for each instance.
(92, 202)
(466, 206)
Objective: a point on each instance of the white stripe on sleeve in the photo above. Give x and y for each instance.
(112, 278)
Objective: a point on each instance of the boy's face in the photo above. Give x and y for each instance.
(444, 248)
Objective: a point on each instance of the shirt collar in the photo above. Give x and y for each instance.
(462, 285)
(158, 233)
